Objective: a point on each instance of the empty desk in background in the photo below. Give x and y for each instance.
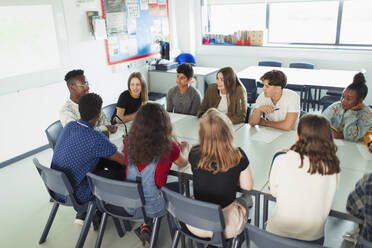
(316, 79)
(162, 81)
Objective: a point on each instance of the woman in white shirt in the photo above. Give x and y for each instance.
(304, 180)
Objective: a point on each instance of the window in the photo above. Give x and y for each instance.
(305, 22)
(356, 23)
(308, 22)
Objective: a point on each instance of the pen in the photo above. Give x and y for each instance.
(276, 109)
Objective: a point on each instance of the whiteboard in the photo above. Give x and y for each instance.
(33, 44)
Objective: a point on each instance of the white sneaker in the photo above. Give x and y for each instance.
(79, 222)
(352, 236)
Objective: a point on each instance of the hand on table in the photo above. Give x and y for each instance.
(112, 128)
(337, 135)
(267, 109)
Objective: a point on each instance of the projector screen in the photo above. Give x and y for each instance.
(33, 50)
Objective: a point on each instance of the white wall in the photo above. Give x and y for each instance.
(242, 57)
(26, 114)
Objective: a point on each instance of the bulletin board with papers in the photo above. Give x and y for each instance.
(134, 28)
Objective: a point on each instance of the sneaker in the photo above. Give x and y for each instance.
(80, 218)
(143, 232)
(352, 236)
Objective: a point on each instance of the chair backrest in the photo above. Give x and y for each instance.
(263, 239)
(366, 244)
(251, 88)
(121, 194)
(56, 182)
(196, 213)
(186, 58)
(52, 132)
(270, 63)
(109, 111)
(301, 65)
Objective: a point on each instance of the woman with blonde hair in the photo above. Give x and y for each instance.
(217, 159)
(228, 95)
(132, 99)
(304, 180)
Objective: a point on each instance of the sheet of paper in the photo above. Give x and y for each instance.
(266, 135)
(153, 1)
(132, 46)
(176, 117)
(133, 11)
(144, 4)
(116, 22)
(99, 27)
(364, 151)
(338, 142)
(113, 46)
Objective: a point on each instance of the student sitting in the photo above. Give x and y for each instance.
(132, 99)
(78, 87)
(351, 118)
(228, 95)
(304, 180)
(280, 106)
(216, 159)
(149, 152)
(184, 98)
(80, 147)
(368, 140)
(359, 204)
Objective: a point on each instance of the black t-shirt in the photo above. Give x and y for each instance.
(219, 188)
(127, 102)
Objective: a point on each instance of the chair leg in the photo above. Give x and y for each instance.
(176, 238)
(171, 225)
(86, 226)
(49, 223)
(101, 230)
(155, 232)
(199, 245)
(127, 225)
(119, 230)
(246, 237)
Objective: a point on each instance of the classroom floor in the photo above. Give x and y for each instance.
(25, 207)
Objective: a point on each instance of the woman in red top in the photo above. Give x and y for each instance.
(150, 150)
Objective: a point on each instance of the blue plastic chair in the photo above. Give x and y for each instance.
(301, 65)
(56, 182)
(109, 111)
(52, 132)
(113, 197)
(186, 58)
(199, 214)
(263, 239)
(270, 63)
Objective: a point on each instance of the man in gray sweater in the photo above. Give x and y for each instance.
(184, 98)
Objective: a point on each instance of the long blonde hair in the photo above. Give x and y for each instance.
(217, 143)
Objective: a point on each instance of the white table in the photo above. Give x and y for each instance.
(310, 77)
(162, 81)
(260, 153)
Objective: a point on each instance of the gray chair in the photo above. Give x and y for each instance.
(56, 182)
(366, 244)
(113, 197)
(199, 214)
(251, 88)
(330, 97)
(263, 239)
(52, 132)
(301, 65)
(109, 111)
(270, 63)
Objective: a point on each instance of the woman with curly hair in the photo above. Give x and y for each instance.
(150, 150)
(304, 180)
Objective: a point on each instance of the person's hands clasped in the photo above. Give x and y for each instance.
(267, 109)
(112, 128)
(184, 145)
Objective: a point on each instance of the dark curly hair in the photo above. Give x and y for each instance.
(150, 135)
(72, 75)
(89, 106)
(316, 142)
(359, 85)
